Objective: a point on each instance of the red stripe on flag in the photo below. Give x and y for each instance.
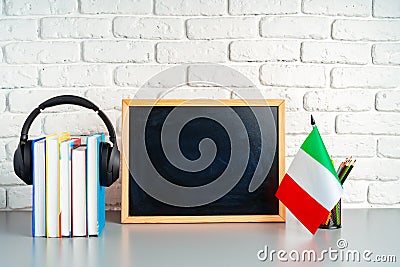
(306, 209)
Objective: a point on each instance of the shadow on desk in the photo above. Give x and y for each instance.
(113, 217)
(19, 223)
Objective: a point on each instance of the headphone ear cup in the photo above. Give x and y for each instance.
(19, 163)
(104, 151)
(114, 164)
(23, 162)
(109, 164)
(28, 162)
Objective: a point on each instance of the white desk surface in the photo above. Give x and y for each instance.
(223, 244)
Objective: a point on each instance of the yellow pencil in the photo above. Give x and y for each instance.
(327, 219)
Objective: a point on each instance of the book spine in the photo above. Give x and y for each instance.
(101, 203)
(33, 189)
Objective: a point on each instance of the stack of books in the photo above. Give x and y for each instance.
(68, 200)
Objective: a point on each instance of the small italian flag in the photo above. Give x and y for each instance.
(311, 187)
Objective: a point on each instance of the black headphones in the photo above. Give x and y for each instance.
(109, 156)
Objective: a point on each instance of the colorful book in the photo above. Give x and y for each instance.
(39, 187)
(78, 191)
(53, 183)
(65, 184)
(95, 192)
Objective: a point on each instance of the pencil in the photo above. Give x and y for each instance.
(337, 214)
(341, 166)
(348, 172)
(345, 170)
(327, 219)
(340, 175)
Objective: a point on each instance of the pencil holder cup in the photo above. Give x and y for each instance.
(334, 219)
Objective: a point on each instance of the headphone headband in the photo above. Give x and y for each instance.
(68, 99)
(64, 100)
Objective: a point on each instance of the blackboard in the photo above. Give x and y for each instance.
(202, 160)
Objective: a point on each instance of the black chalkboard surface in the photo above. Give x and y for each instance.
(202, 161)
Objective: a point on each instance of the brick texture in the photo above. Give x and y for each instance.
(148, 28)
(306, 27)
(189, 52)
(75, 27)
(42, 52)
(384, 193)
(293, 75)
(190, 7)
(335, 52)
(18, 76)
(333, 100)
(222, 28)
(351, 8)
(365, 77)
(386, 54)
(368, 30)
(137, 7)
(386, 8)
(18, 29)
(117, 51)
(264, 50)
(249, 7)
(37, 7)
(75, 76)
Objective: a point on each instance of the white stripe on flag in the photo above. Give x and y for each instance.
(315, 179)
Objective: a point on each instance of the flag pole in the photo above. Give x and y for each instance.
(312, 121)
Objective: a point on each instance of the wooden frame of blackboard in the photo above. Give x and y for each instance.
(126, 103)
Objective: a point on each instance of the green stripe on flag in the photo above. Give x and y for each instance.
(314, 146)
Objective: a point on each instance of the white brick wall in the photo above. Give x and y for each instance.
(38, 7)
(117, 51)
(42, 52)
(386, 54)
(264, 50)
(386, 8)
(136, 7)
(350, 8)
(384, 193)
(3, 103)
(132, 75)
(336, 59)
(79, 27)
(190, 7)
(18, 29)
(388, 100)
(388, 147)
(293, 75)
(149, 28)
(295, 27)
(329, 100)
(368, 30)
(19, 197)
(365, 77)
(222, 28)
(24, 101)
(192, 51)
(335, 52)
(75, 76)
(360, 123)
(18, 76)
(248, 7)
(3, 198)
